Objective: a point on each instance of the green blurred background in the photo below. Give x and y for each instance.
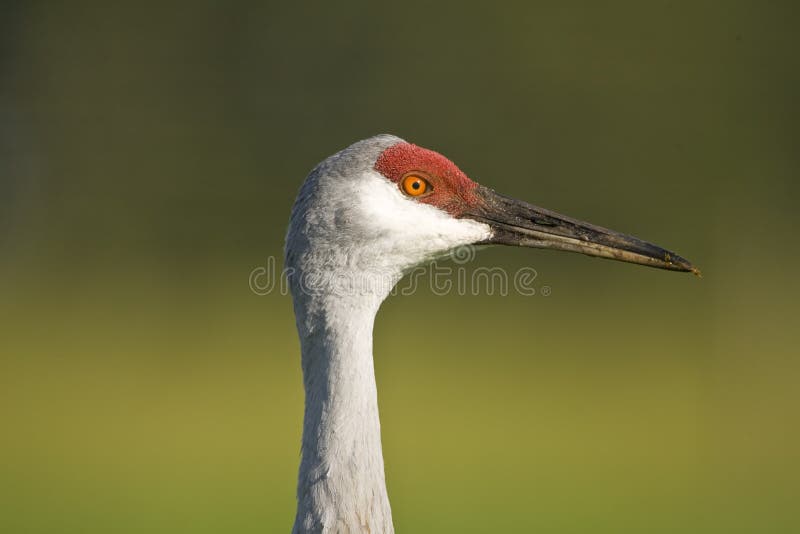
(149, 157)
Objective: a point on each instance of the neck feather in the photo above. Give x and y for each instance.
(341, 485)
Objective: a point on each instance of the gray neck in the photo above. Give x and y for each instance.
(341, 485)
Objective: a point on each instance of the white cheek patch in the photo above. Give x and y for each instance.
(398, 224)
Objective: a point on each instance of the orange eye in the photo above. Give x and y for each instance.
(415, 186)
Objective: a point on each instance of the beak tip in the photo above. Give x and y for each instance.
(681, 264)
(685, 265)
(677, 263)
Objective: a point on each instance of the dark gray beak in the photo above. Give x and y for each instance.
(515, 222)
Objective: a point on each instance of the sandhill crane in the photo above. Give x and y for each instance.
(364, 217)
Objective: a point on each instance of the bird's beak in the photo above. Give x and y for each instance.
(515, 222)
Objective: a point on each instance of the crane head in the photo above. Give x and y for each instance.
(398, 204)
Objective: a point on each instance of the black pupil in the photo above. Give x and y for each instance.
(415, 185)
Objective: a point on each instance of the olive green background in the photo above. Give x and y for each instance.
(149, 157)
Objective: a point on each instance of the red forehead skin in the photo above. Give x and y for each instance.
(453, 191)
